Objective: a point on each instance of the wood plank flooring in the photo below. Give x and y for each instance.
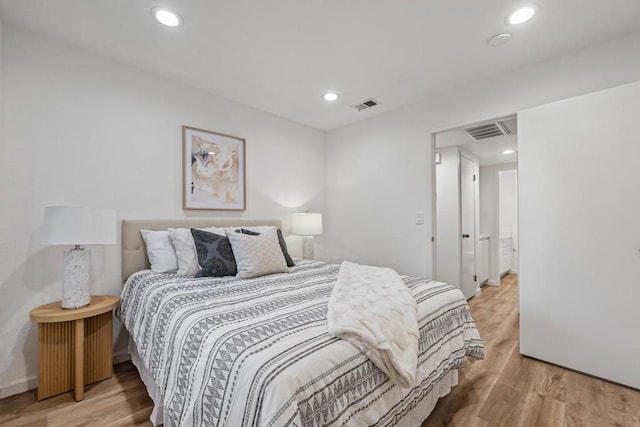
(505, 389)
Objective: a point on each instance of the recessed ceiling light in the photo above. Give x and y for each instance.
(522, 15)
(166, 16)
(499, 39)
(330, 96)
(508, 151)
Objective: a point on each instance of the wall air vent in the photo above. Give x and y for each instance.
(488, 130)
(369, 103)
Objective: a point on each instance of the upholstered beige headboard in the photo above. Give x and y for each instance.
(134, 252)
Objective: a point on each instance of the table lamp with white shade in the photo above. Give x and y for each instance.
(307, 225)
(71, 225)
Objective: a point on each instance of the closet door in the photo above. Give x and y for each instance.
(467, 226)
(579, 210)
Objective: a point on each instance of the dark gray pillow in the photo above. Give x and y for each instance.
(281, 241)
(215, 255)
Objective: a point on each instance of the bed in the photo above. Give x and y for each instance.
(256, 352)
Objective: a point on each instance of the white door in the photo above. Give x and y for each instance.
(467, 226)
(579, 282)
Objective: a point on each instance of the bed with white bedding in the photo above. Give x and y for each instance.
(257, 352)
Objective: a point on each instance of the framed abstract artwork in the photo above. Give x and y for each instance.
(213, 170)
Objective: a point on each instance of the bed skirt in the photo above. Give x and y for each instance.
(152, 389)
(414, 418)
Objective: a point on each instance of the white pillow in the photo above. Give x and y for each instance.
(160, 251)
(257, 255)
(186, 249)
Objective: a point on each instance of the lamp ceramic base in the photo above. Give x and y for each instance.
(307, 247)
(75, 279)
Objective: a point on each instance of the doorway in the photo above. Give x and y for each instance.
(475, 204)
(508, 221)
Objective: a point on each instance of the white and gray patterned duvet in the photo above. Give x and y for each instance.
(233, 352)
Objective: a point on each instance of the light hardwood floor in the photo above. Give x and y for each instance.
(505, 389)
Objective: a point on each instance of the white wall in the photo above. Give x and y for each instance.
(79, 129)
(580, 233)
(1, 146)
(508, 185)
(448, 216)
(379, 171)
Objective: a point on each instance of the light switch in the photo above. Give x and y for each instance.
(419, 218)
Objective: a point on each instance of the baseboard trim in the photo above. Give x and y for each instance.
(31, 382)
(493, 283)
(513, 272)
(19, 386)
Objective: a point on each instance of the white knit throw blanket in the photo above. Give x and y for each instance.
(373, 309)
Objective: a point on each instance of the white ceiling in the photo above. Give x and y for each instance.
(281, 55)
(489, 151)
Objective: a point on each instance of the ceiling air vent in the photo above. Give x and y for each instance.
(369, 103)
(487, 131)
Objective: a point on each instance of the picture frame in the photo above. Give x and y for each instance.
(213, 170)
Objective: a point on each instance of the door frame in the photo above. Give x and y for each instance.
(495, 246)
(433, 197)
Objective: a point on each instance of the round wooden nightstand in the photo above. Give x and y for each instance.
(74, 346)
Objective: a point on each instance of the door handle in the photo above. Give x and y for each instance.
(465, 236)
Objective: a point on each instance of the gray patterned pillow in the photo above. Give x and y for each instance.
(215, 255)
(257, 255)
(281, 241)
